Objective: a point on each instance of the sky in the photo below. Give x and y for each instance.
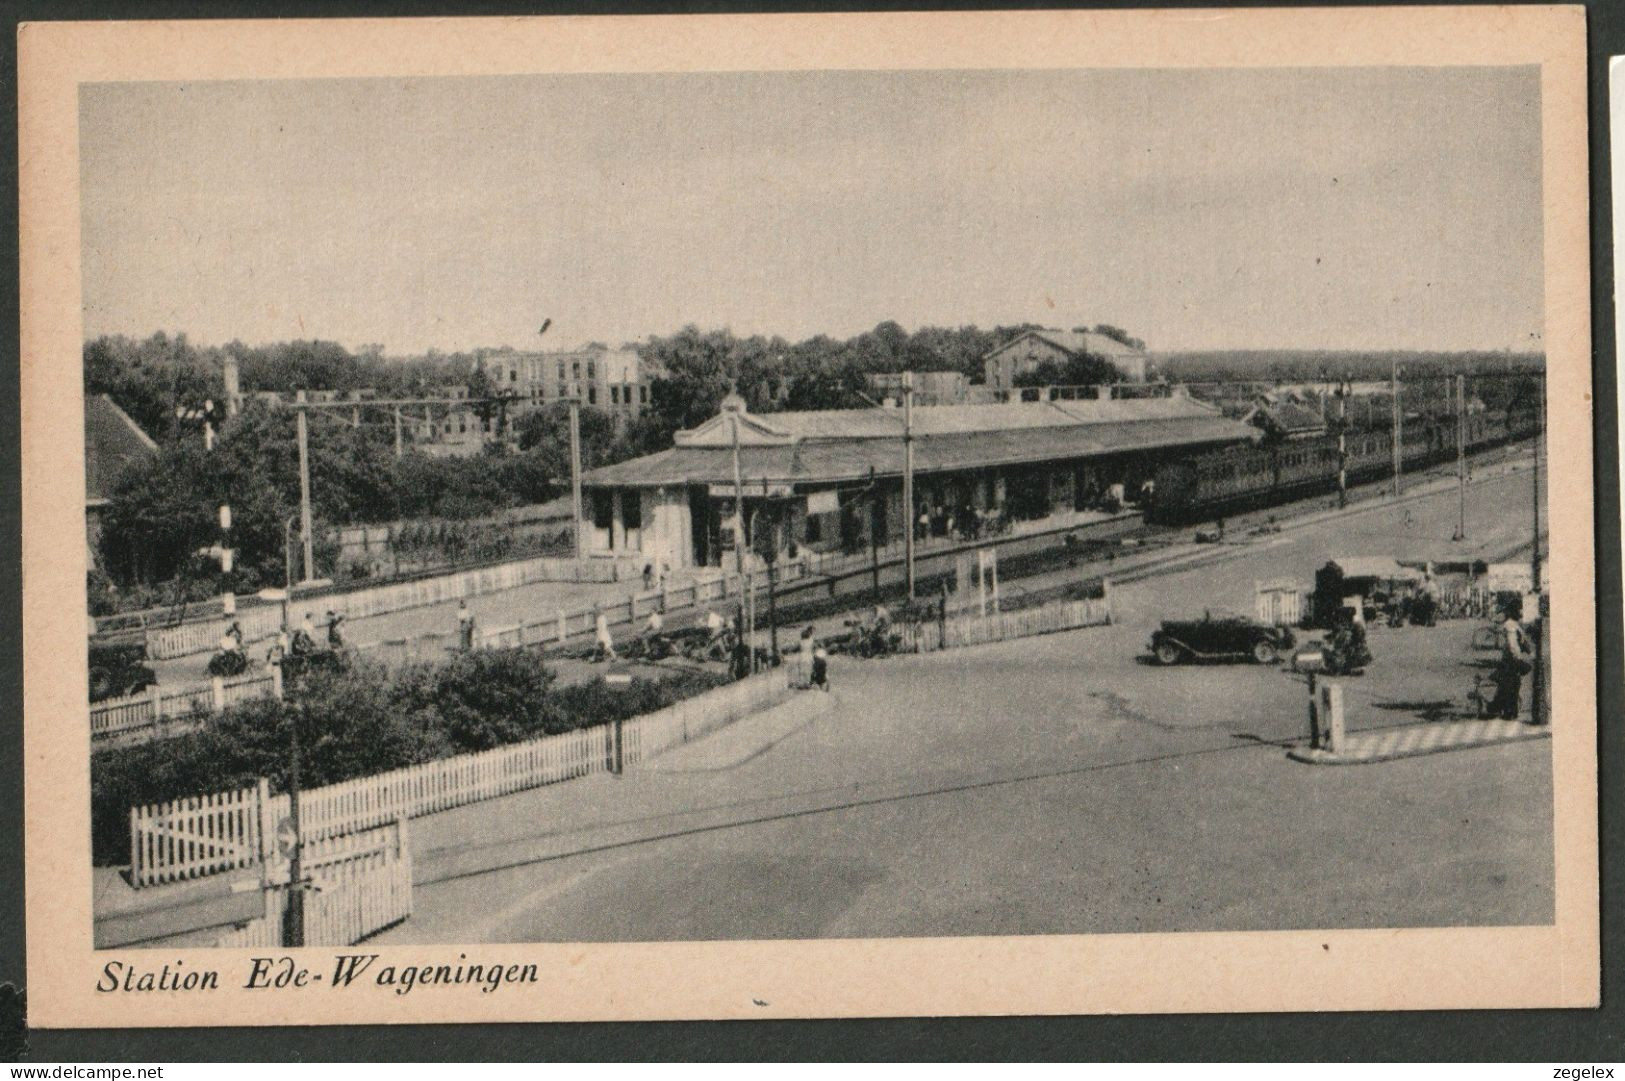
(1366, 208)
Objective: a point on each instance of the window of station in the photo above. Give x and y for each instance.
(603, 510)
(592, 395)
(631, 510)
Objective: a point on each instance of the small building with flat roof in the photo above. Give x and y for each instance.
(833, 479)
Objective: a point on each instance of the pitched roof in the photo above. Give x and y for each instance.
(947, 438)
(112, 441)
(1291, 417)
(1076, 342)
(887, 423)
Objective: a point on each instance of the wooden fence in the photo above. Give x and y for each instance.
(145, 716)
(960, 631)
(260, 623)
(205, 835)
(363, 884)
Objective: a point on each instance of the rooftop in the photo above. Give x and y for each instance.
(845, 444)
(112, 441)
(1077, 342)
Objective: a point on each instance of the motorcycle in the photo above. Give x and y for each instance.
(228, 662)
(867, 640)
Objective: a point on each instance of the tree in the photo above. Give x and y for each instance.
(1084, 370)
(151, 379)
(546, 433)
(1118, 334)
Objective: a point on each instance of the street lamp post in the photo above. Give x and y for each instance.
(293, 928)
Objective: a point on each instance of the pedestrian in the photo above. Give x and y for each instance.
(804, 655)
(820, 668)
(648, 577)
(606, 642)
(305, 640)
(465, 626)
(1425, 610)
(335, 640)
(1510, 669)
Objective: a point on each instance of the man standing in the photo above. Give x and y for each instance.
(1510, 670)
(606, 642)
(465, 626)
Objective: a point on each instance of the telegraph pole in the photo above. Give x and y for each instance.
(575, 474)
(747, 609)
(293, 930)
(1398, 434)
(304, 489)
(1461, 458)
(908, 478)
(874, 535)
(1342, 445)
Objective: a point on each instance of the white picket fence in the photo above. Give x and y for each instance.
(204, 835)
(260, 623)
(143, 715)
(977, 630)
(363, 884)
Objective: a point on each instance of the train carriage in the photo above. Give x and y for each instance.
(1237, 479)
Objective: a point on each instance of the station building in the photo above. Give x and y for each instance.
(833, 479)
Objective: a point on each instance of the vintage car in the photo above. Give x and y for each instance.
(1219, 636)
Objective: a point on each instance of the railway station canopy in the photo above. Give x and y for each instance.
(819, 448)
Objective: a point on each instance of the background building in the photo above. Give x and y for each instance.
(930, 388)
(614, 380)
(1027, 351)
(112, 442)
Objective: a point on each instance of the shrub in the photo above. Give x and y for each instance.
(360, 721)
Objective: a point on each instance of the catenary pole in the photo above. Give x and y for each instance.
(1398, 434)
(908, 479)
(575, 475)
(1342, 445)
(1461, 457)
(397, 431)
(877, 522)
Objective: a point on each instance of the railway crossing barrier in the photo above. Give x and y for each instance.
(360, 883)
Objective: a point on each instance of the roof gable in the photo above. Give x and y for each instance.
(112, 441)
(1074, 343)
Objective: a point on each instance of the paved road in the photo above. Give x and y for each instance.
(1047, 785)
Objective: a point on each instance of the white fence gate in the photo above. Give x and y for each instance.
(362, 884)
(1278, 603)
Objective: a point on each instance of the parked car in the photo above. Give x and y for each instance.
(1219, 637)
